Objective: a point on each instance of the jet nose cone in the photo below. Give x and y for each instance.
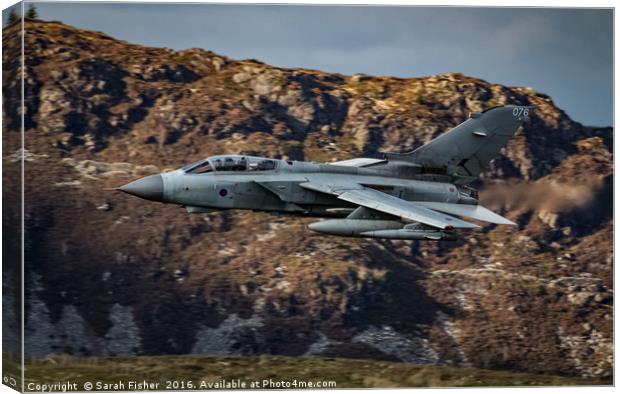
(149, 188)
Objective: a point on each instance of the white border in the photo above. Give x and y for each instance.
(478, 3)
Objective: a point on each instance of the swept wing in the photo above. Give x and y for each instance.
(386, 203)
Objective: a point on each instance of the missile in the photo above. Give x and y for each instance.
(390, 229)
(430, 235)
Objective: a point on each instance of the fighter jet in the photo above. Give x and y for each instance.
(412, 196)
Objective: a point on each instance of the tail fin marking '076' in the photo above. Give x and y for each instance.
(468, 148)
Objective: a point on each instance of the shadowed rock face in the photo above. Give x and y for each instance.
(101, 113)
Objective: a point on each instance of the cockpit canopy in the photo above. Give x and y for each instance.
(230, 163)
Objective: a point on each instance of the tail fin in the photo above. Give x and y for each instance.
(469, 147)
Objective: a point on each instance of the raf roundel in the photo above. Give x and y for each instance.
(223, 192)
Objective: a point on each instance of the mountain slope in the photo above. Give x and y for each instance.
(112, 275)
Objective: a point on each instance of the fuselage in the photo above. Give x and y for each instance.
(262, 184)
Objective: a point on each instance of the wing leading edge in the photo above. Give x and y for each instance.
(386, 203)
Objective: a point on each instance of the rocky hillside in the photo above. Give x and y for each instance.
(111, 275)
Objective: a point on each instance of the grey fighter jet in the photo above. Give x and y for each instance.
(415, 196)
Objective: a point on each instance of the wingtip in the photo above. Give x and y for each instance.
(505, 221)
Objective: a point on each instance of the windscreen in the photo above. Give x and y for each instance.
(200, 167)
